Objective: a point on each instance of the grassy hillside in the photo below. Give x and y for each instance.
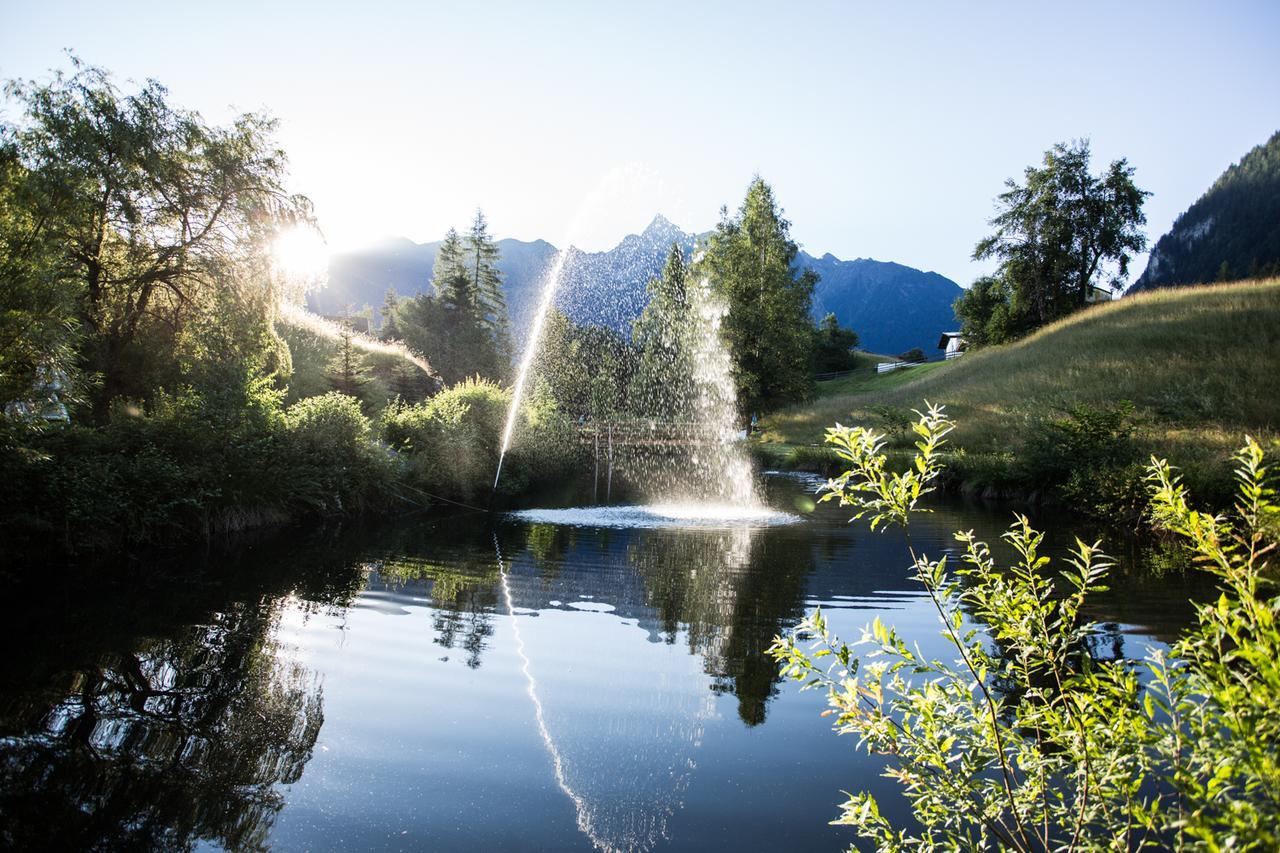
(1199, 365)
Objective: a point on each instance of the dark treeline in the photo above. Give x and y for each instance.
(1231, 232)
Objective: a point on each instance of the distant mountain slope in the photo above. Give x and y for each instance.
(1236, 223)
(892, 307)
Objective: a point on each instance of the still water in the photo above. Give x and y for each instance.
(452, 683)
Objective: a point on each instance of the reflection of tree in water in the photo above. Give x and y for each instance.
(155, 714)
(176, 740)
(463, 595)
(732, 596)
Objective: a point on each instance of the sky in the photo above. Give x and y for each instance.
(885, 130)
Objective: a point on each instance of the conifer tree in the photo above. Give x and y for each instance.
(490, 304)
(390, 323)
(749, 260)
(449, 277)
(348, 372)
(663, 377)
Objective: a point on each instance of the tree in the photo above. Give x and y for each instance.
(663, 378)
(154, 211)
(486, 285)
(39, 327)
(348, 372)
(453, 286)
(390, 330)
(985, 311)
(750, 262)
(1059, 235)
(833, 346)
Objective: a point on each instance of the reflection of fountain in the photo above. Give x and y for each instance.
(623, 792)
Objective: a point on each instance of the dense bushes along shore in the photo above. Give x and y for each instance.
(192, 464)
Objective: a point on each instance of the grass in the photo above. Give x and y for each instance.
(1199, 364)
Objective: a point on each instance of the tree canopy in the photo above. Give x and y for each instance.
(463, 327)
(749, 260)
(1058, 235)
(148, 216)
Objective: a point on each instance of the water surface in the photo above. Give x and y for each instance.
(594, 681)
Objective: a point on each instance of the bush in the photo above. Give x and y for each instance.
(1087, 458)
(913, 354)
(334, 465)
(453, 440)
(1028, 742)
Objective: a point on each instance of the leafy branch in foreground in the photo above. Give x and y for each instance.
(1024, 740)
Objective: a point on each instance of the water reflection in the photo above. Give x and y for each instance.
(156, 721)
(456, 685)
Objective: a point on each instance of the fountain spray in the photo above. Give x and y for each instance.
(530, 350)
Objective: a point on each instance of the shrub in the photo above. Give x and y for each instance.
(1087, 458)
(454, 438)
(913, 354)
(1026, 741)
(334, 464)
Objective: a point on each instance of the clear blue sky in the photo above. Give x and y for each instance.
(886, 130)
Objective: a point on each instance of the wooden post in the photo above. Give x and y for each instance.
(608, 489)
(595, 481)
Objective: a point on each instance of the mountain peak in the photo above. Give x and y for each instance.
(660, 227)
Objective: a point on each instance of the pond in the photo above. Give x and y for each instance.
(458, 683)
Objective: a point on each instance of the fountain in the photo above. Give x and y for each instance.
(709, 480)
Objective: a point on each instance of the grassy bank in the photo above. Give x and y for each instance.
(1198, 365)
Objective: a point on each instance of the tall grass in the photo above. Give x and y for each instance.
(1198, 363)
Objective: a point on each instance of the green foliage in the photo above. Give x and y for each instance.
(463, 328)
(913, 354)
(1088, 456)
(833, 347)
(663, 380)
(1231, 232)
(452, 440)
(987, 312)
(588, 370)
(749, 260)
(348, 372)
(334, 464)
(155, 216)
(1057, 236)
(1025, 741)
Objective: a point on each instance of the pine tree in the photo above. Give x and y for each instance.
(482, 256)
(749, 260)
(664, 374)
(390, 323)
(449, 277)
(348, 372)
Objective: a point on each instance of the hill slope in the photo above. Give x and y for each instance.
(1236, 223)
(891, 306)
(1198, 364)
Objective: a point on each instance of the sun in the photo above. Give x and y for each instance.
(300, 253)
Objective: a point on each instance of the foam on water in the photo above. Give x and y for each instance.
(659, 516)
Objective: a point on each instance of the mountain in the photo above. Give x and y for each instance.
(1231, 232)
(892, 307)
